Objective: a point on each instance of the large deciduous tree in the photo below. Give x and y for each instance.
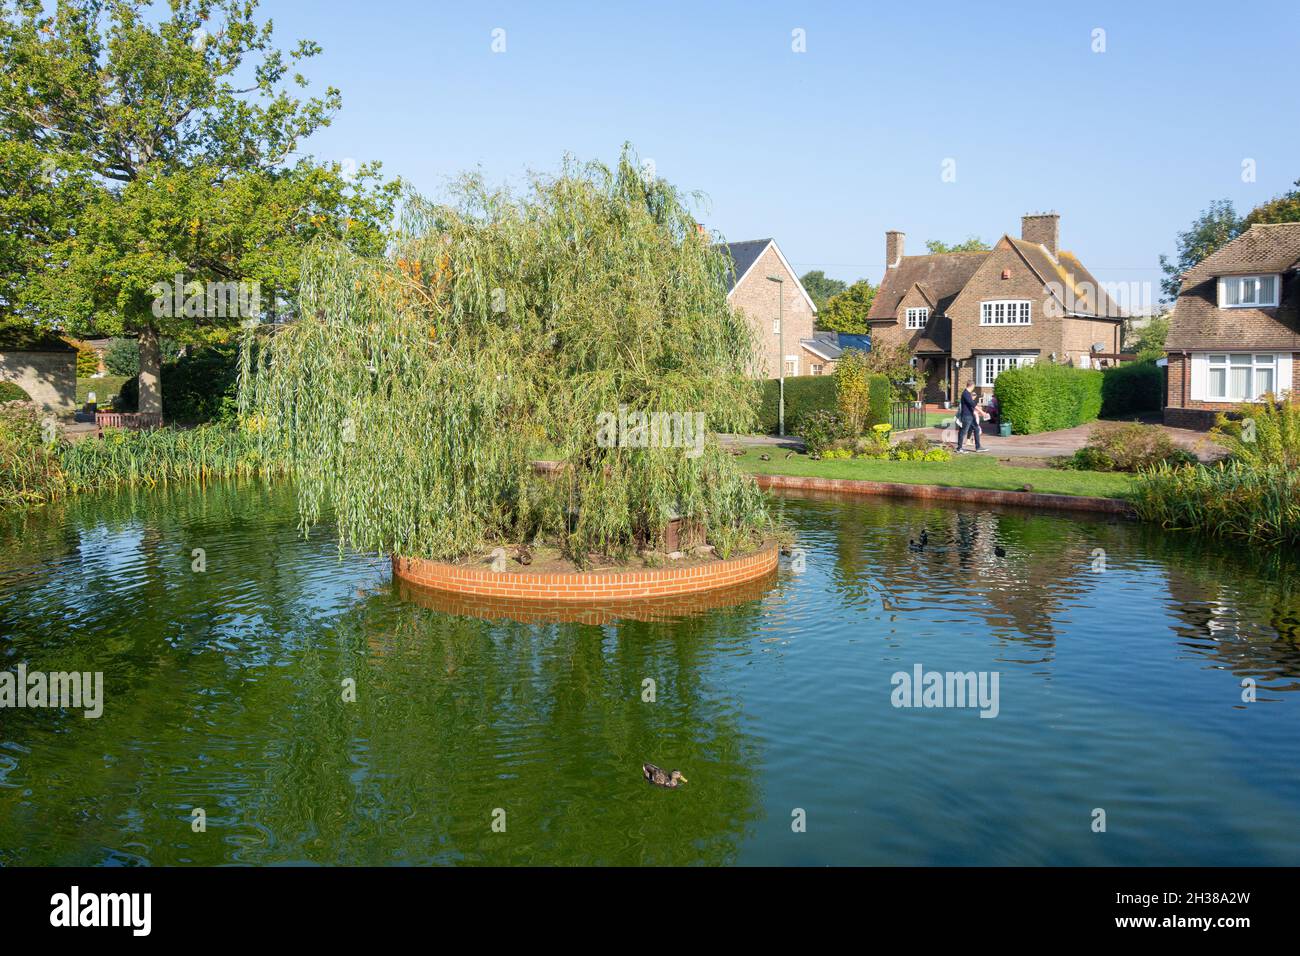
(820, 287)
(168, 148)
(847, 311)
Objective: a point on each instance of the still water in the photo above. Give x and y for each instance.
(1120, 654)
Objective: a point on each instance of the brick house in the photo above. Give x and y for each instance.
(967, 316)
(806, 352)
(1233, 334)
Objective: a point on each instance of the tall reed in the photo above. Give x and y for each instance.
(1233, 499)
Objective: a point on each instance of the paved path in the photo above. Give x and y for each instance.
(1066, 441)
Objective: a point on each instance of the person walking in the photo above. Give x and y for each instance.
(969, 418)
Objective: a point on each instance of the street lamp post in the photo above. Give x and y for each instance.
(780, 350)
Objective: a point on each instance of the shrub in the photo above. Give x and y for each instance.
(853, 391)
(1266, 435)
(819, 429)
(803, 394)
(122, 357)
(1131, 388)
(196, 388)
(87, 361)
(1128, 446)
(1046, 397)
(882, 394)
(12, 392)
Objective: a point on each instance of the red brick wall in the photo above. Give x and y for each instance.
(757, 299)
(586, 586)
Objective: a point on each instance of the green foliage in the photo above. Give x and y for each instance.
(820, 288)
(894, 362)
(13, 392)
(1132, 388)
(853, 392)
(122, 357)
(1263, 436)
(819, 429)
(1046, 397)
(29, 466)
(882, 396)
(87, 360)
(803, 394)
(847, 311)
(1214, 228)
(1231, 499)
(201, 386)
(972, 244)
(1284, 208)
(411, 387)
(1129, 447)
(164, 140)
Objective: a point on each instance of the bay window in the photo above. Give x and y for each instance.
(1244, 376)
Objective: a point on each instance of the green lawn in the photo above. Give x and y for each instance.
(981, 470)
(104, 388)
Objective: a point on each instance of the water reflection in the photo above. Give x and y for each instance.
(225, 690)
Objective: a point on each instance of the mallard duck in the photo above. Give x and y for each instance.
(919, 545)
(1000, 551)
(764, 457)
(524, 555)
(662, 778)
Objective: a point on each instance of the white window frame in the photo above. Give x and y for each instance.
(1006, 312)
(816, 368)
(918, 318)
(998, 364)
(776, 326)
(1252, 283)
(1207, 386)
(791, 365)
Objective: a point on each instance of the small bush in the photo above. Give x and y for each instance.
(1128, 447)
(803, 394)
(122, 357)
(1047, 397)
(12, 392)
(1266, 435)
(819, 430)
(87, 361)
(1132, 388)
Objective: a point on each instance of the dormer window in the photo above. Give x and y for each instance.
(1255, 292)
(917, 318)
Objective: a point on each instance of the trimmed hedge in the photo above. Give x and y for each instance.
(1132, 388)
(1046, 397)
(803, 394)
(881, 393)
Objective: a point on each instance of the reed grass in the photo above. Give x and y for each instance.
(1234, 499)
(29, 465)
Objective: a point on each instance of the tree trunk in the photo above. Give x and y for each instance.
(150, 372)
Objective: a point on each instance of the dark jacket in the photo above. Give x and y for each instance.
(967, 406)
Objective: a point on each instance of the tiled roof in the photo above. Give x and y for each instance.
(940, 277)
(1198, 323)
(1089, 298)
(1261, 248)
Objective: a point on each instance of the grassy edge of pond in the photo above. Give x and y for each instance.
(982, 470)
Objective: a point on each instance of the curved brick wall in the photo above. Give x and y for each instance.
(576, 587)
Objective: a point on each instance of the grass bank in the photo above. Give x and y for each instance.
(981, 470)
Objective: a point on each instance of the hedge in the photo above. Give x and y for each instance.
(1131, 388)
(1046, 397)
(803, 394)
(814, 393)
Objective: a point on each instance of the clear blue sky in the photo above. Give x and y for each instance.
(827, 149)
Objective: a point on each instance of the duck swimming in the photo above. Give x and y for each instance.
(919, 545)
(662, 778)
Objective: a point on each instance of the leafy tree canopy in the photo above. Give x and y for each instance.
(1215, 226)
(167, 146)
(820, 288)
(847, 311)
(971, 244)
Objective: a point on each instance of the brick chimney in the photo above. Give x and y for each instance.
(1043, 228)
(893, 248)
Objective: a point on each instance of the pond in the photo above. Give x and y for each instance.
(1119, 653)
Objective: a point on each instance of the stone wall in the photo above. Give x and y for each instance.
(50, 378)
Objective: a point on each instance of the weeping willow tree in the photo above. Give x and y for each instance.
(415, 389)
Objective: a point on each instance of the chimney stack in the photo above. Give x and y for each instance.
(894, 248)
(1043, 228)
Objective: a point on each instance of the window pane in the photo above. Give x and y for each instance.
(1231, 291)
(1218, 382)
(1218, 359)
(1239, 383)
(1264, 359)
(1241, 360)
(1266, 284)
(1263, 381)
